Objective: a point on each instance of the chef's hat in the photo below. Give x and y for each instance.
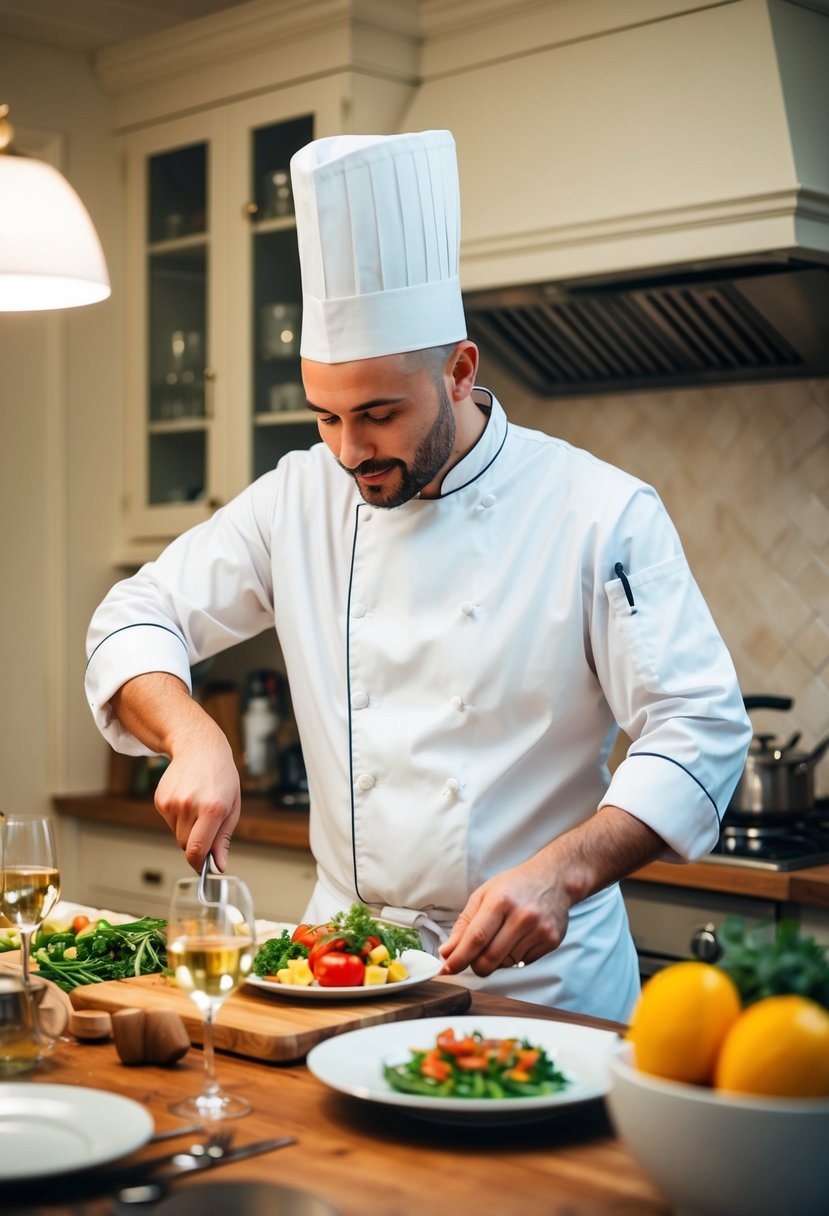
(378, 222)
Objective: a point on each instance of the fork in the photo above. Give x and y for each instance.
(209, 867)
(156, 1185)
(215, 1146)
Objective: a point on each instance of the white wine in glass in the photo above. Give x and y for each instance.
(30, 877)
(211, 940)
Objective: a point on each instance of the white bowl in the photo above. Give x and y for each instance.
(722, 1154)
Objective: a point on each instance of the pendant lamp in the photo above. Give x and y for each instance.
(50, 255)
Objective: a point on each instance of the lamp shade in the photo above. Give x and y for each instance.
(50, 255)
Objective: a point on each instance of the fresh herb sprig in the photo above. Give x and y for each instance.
(768, 960)
(273, 955)
(357, 926)
(107, 952)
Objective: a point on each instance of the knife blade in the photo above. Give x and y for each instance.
(187, 1163)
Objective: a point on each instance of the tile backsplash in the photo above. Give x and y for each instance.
(744, 472)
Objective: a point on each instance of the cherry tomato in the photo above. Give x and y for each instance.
(306, 935)
(80, 922)
(338, 970)
(369, 945)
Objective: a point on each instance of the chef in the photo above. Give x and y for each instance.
(467, 611)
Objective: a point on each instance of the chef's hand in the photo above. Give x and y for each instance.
(516, 917)
(522, 914)
(198, 796)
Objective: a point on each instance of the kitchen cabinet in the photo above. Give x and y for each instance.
(209, 115)
(214, 393)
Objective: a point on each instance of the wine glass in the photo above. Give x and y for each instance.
(30, 877)
(210, 947)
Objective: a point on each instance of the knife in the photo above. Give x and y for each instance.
(187, 1163)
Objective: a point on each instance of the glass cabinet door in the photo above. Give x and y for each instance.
(280, 420)
(177, 408)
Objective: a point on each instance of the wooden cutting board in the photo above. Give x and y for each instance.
(271, 1027)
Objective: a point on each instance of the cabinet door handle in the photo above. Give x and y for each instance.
(152, 878)
(250, 211)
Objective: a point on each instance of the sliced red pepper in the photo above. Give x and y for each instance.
(433, 1067)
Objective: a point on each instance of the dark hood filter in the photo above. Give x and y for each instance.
(708, 327)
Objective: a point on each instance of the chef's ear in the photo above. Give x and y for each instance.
(461, 368)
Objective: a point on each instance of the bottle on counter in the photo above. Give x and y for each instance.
(260, 723)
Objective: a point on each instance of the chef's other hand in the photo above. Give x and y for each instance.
(198, 797)
(514, 918)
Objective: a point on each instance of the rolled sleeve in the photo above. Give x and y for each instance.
(127, 652)
(651, 787)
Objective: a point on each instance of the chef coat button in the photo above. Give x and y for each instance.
(365, 781)
(358, 610)
(452, 786)
(457, 702)
(488, 500)
(359, 700)
(468, 608)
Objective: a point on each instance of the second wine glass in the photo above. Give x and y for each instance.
(211, 939)
(30, 879)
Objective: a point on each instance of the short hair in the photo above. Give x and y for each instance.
(432, 358)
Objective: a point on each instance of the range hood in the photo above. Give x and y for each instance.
(709, 327)
(645, 185)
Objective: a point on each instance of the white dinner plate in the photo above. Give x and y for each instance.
(420, 966)
(353, 1064)
(52, 1129)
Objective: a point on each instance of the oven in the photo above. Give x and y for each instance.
(674, 924)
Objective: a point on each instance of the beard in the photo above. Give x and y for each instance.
(428, 460)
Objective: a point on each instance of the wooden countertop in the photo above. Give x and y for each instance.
(372, 1160)
(265, 822)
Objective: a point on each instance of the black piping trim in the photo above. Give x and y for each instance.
(659, 756)
(348, 695)
(481, 472)
(135, 625)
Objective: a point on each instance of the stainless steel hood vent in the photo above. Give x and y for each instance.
(693, 328)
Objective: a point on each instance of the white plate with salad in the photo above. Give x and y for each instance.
(358, 1063)
(55, 1129)
(420, 966)
(352, 956)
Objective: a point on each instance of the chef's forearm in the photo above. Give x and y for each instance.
(158, 709)
(606, 848)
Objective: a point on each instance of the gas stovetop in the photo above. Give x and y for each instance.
(792, 846)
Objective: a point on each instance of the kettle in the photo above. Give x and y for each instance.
(777, 782)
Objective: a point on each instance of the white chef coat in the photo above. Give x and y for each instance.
(457, 669)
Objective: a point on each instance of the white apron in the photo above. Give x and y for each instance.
(457, 667)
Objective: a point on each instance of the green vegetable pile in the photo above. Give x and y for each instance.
(9, 940)
(773, 961)
(476, 1067)
(354, 927)
(102, 951)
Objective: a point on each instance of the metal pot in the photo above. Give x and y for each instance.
(777, 781)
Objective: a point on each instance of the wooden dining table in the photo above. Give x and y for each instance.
(365, 1159)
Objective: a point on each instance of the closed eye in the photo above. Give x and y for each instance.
(376, 419)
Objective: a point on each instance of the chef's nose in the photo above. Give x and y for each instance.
(354, 449)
